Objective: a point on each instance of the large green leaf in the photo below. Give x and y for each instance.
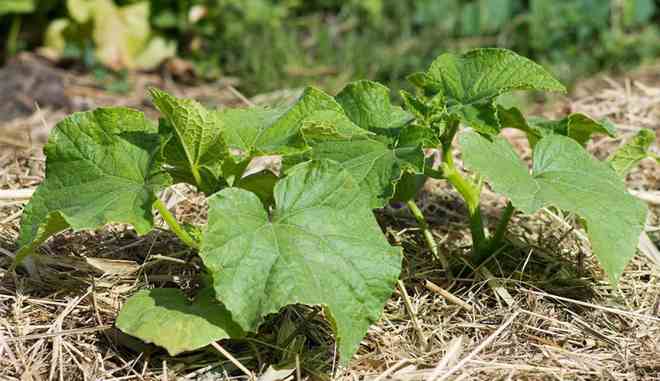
(320, 245)
(165, 317)
(630, 154)
(566, 176)
(101, 167)
(260, 131)
(196, 148)
(481, 75)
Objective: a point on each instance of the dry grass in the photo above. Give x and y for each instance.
(544, 312)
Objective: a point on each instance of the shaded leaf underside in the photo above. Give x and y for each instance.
(165, 317)
(566, 176)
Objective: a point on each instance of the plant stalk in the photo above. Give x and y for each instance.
(495, 242)
(12, 37)
(196, 176)
(498, 237)
(428, 235)
(470, 191)
(174, 225)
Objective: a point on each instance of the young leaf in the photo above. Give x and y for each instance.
(320, 246)
(197, 148)
(368, 105)
(566, 176)
(480, 75)
(274, 132)
(101, 167)
(470, 83)
(630, 154)
(482, 118)
(165, 317)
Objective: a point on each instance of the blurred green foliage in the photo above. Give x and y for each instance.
(270, 44)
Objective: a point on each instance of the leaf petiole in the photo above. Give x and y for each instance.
(495, 242)
(470, 191)
(174, 225)
(428, 235)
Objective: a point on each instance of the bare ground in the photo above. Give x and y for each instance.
(542, 310)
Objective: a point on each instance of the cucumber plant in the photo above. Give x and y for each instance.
(307, 234)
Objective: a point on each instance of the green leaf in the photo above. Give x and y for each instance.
(321, 245)
(408, 187)
(630, 154)
(429, 118)
(576, 126)
(368, 105)
(244, 125)
(260, 183)
(481, 117)
(257, 131)
(375, 162)
(101, 167)
(373, 139)
(566, 176)
(196, 148)
(480, 75)
(513, 118)
(165, 317)
(17, 6)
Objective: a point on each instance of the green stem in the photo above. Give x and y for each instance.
(495, 242)
(171, 221)
(470, 191)
(196, 176)
(428, 236)
(12, 37)
(498, 237)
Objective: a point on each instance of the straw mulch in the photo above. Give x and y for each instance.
(541, 310)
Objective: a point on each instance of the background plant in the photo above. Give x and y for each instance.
(269, 45)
